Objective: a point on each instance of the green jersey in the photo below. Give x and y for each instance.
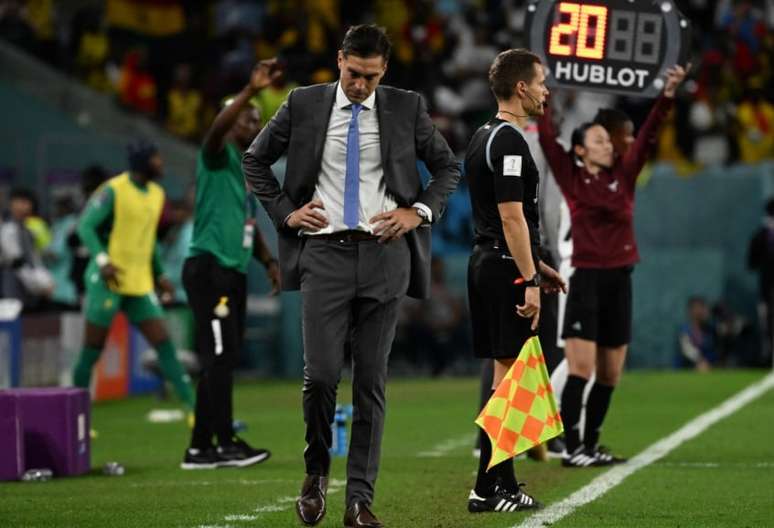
(224, 218)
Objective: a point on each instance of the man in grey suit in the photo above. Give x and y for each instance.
(353, 222)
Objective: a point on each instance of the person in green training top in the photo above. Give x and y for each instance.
(225, 238)
(118, 227)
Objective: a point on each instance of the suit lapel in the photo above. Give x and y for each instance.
(321, 118)
(385, 133)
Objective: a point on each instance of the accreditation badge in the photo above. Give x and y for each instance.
(249, 233)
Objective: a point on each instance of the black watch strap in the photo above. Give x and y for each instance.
(534, 282)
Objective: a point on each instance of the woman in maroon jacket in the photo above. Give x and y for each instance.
(599, 190)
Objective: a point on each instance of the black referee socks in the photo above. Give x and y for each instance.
(596, 410)
(572, 402)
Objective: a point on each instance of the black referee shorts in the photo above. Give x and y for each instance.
(498, 331)
(599, 306)
(219, 338)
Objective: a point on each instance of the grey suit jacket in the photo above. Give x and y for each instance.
(406, 135)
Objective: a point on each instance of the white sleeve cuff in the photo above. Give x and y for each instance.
(426, 209)
(102, 259)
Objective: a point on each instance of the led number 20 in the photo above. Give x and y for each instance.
(580, 16)
(632, 35)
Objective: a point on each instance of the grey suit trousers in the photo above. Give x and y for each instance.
(350, 291)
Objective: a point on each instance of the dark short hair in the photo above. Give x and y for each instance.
(578, 137)
(367, 40)
(611, 118)
(510, 67)
(770, 207)
(139, 152)
(23, 193)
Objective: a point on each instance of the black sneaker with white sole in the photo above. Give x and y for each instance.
(502, 501)
(556, 447)
(200, 458)
(240, 454)
(603, 453)
(584, 457)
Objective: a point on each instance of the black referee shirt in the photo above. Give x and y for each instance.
(500, 168)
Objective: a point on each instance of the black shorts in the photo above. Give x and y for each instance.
(599, 306)
(498, 331)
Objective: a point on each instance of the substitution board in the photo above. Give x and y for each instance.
(619, 46)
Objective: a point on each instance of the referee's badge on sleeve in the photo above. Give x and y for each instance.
(511, 165)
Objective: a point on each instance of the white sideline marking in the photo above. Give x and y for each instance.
(447, 446)
(283, 503)
(205, 483)
(241, 517)
(714, 465)
(611, 478)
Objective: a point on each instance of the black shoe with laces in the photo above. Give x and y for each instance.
(603, 453)
(200, 458)
(239, 453)
(502, 501)
(584, 457)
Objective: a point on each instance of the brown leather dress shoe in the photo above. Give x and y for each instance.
(359, 516)
(310, 506)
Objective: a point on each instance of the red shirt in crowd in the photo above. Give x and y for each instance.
(602, 205)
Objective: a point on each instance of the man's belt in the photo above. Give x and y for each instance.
(346, 237)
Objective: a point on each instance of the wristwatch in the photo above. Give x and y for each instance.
(423, 215)
(534, 282)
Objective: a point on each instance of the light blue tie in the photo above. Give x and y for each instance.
(352, 178)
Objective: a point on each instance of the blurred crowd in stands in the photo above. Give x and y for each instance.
(175, 60)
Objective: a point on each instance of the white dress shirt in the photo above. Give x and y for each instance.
(373, 196)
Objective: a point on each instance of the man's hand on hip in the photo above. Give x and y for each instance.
(394, 224)
(307, 218)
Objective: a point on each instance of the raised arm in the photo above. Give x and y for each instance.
(560, 161)
(647, 136)
(263, 74)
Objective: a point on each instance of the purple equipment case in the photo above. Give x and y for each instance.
(11, 437)
(56, 424)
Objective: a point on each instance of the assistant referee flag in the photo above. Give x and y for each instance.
(522, 412)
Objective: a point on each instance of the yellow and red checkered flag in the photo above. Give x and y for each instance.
(522, 412)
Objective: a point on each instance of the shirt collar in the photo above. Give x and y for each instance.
(343, 102)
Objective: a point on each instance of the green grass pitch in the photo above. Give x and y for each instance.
(724, 477)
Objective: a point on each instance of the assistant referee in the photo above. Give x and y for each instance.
(225, 237)
(503, 280)
(600, 192)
